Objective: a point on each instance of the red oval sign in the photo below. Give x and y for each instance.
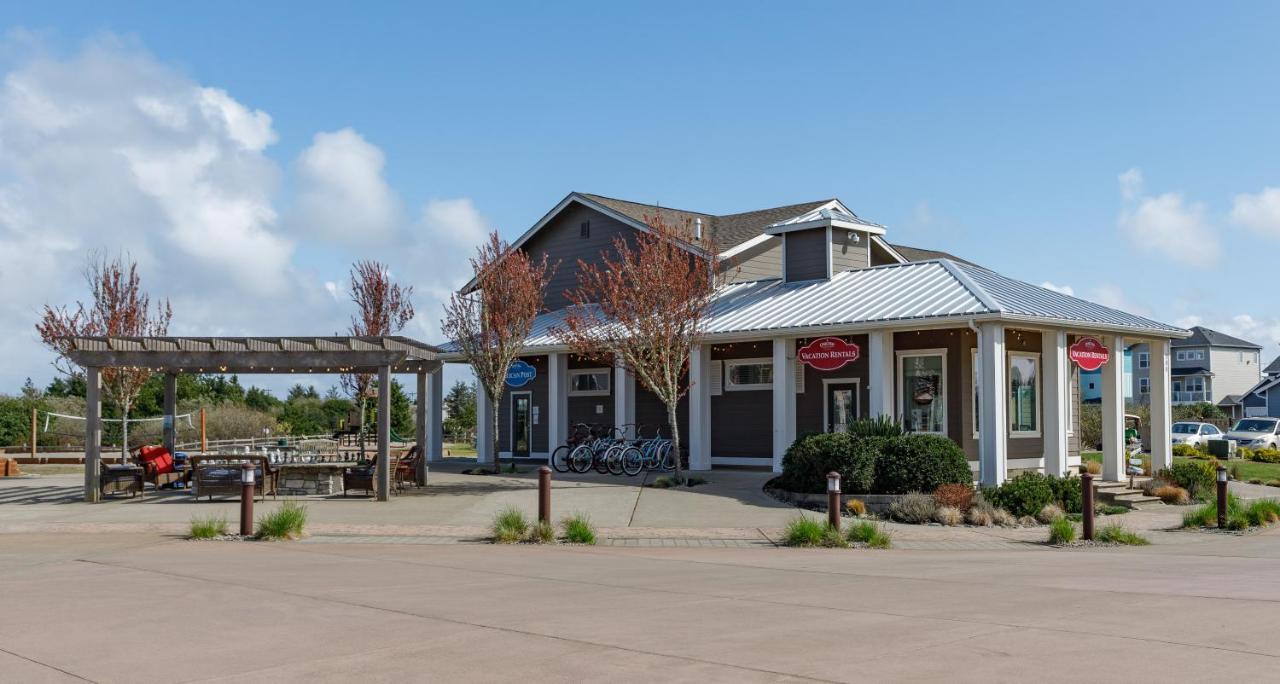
(828, 353)
(1089, 353)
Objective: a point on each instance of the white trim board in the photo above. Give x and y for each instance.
(857, 397)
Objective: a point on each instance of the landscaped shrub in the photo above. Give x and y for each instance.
(1234, 470)
(1266, 456)
(1050, 513)
(578, 529)
(982, 517)
(286, 522)
(1273, 483)
(208, 528)
(1025, 494)
(1149, 487)
(913, 508)
(1068, 492)
(1244, 452)
(1061, 531)
(919, 463)
(954, 495)
(809, 532)
(1197, 477)
(880, 426)
(856, 507)
(1028, 521)
(1117, 534)
(868, 533)
(1184, 451)
(542, 533)
(1172, 494)
(1207, 515)
(509, 526)
(1093, 467)
(948, 515)
(1262, 512)
(810, 458)
(1003, 518)
(1109, 509)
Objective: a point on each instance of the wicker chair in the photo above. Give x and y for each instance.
(158, 480)
(365, 477)
(214, 475)
(407, 473)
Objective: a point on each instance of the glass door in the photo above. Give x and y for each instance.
(521, 424)
(842, 405)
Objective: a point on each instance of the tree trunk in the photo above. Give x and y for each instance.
(675, 441)
(363, 413)
(493, 435)
(124, 433)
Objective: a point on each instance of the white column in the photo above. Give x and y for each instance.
(557, 400)
(422, 420)
(484, 427)
(92, 433)
(993, 442)
(1161, 407)
(1113, 412)
(624, 400)
(784, 398)
(699, 437)
(435, 415)
(1057, 398)
(384, 433)
(880, 372)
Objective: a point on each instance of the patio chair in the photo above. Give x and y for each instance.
(407, 473)
(158, 465)
(365, 477)
(219, 475)
(118, 478)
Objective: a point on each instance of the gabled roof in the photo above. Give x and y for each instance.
(726, 231)
(1273, 367)
(1202, 336)
(933, 291)
(917, 254)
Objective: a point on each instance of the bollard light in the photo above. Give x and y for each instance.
(833, 499)
(833, 481)
(1222, 497)
(1222, 474)
(246, 499)
(246, 474)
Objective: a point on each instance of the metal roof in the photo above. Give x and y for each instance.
(928, 292)
(256, 354)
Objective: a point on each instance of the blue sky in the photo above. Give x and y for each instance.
(997, 131)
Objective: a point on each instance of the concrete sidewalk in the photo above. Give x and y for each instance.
(141, 608)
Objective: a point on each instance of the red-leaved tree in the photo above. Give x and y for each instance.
(644, 307)
(118, 307)
(490, 322)
(383, 308)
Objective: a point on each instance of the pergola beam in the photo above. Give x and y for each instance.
(249, 362)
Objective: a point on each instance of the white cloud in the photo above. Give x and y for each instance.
(1259, 213)
(1114, 296)
(1131, 184)
(343, 196)
(1168, 226)
(1263, 331)
(1064, 289)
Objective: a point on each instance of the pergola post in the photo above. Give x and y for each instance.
(92, 432)
(1113, 447)
(170, 420)
(384, 433)
(435, 414)
(1161, 407)
(420, 425)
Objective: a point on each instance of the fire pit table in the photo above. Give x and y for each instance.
(305, 479)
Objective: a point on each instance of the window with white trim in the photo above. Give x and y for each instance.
(922, 390)
(748, 374)
(589, 382)
(1144, 385)
(1024, 394)
(1144, 360)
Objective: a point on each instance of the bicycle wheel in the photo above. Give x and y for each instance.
(560, 458)
(632, 461)
(613, 459)
(580, 458)
(665, 458)
(602, 461)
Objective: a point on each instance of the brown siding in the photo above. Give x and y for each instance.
(742, 421)
(560, 239)
(759, 263)
(806, 254)
(880, 256)
(651, 413)
(846, 256)
(538, 387)
(811, 402)
(583, 409)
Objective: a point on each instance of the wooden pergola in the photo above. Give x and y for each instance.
(253, 355)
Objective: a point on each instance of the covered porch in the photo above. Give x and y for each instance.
(172, 356)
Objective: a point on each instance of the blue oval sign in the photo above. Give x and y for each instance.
(520, 373)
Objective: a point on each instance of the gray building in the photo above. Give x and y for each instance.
(1209, 366)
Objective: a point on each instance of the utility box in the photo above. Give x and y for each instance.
(1221, 448)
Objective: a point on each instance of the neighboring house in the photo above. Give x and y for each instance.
(1091, 382)
(918, 329)
(1209, 366)
(1263, 399)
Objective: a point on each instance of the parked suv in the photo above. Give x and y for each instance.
(1256, 433)
(1194, 434)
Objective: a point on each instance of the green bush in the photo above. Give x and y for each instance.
(285, 522)
(542, 533)
(1025, 494)
(914, 508)
(880, 426)
(1262, 512)
(1117, 534)
(1061, 531)
(1197, 477)
(1207, 515)
(870, 534)
(578, 529)
(509, 526)
(919, 463)
(1184, 451)
(1266, 456)
(1068, 494)
(208, 528)
(810, 458)
(804, 531)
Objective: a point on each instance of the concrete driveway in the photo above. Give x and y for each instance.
(143, 608)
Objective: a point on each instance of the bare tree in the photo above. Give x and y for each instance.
(118, 307)
(490, 322)
(645, 307)
(384, 308)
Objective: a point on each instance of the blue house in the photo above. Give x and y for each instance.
(1091, 382)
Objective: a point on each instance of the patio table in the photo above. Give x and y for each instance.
(302, 479)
